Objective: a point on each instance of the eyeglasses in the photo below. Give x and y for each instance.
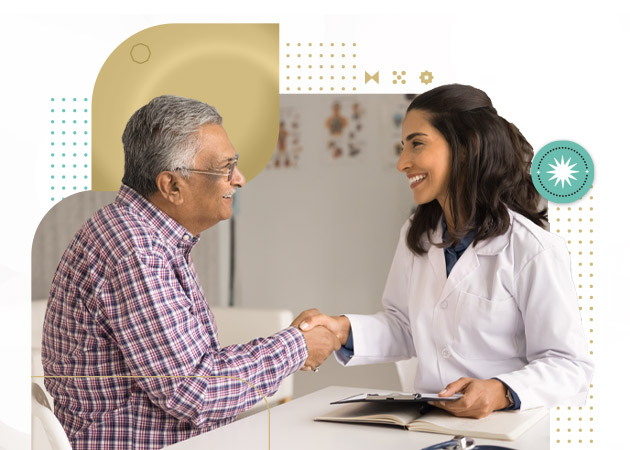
(229, 174)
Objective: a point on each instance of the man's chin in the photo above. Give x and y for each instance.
(227, 215)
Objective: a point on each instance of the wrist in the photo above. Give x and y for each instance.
(509, 398)
(344, 329)
(502, 397)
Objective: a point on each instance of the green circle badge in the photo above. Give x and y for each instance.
(562, 171)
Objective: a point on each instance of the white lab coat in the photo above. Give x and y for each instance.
(507, 310)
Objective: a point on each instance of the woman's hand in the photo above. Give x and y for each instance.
(480, 397)
(311, 318)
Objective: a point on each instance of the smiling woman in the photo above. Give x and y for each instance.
(478, 290)
(487, 172)
(425, 159)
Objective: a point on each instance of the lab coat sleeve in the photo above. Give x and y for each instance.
(559, 369)
(386, 336)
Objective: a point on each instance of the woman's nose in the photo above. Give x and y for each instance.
(404, 161)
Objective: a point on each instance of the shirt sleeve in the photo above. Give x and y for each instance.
(346, 351)
(385, 336)
(172, 352)
(559, 368)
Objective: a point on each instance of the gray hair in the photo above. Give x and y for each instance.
(163, 135)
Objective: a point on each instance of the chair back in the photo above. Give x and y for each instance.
(42, 414)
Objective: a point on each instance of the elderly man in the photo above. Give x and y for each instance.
(127, 329)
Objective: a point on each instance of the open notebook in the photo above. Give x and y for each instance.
(504, 425)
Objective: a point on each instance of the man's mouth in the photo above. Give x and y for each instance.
(229, 195)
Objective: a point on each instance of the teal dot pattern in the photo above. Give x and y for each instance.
(70, 148)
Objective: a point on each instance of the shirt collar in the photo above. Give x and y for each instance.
(491, 246)
(497, 244)
(174, 233)
(463, 242)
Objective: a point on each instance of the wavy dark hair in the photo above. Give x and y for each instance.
(490, 168)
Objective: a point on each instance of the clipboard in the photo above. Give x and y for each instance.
(397, 397)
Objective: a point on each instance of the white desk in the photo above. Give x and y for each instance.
(292, 427)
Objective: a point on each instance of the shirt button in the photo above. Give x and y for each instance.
(444, 304)
(446, 353)
(186, 237)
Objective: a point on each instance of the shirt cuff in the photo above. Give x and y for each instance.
(296, 345)
(346, 352)
(514, 395)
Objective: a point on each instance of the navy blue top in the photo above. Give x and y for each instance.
(452, 254)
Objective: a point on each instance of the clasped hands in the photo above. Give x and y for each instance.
(323, 335)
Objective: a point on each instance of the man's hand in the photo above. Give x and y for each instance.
(320, 342)
(312, 318)
(480, 397)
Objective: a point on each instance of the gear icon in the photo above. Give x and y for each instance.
(426, 77)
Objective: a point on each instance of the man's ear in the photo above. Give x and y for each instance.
(169, 187)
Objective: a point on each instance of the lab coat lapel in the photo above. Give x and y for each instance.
(463, 268)
(466, 264)
(469, 261)
(436, 258)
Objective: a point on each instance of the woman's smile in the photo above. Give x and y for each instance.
(415, 180)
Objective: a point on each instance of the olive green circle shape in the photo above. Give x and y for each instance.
(233, 67)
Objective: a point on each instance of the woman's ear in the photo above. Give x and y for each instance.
(169, 187)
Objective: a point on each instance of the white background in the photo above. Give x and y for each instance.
(559, 72)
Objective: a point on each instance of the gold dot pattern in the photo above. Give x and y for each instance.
(317, 66)
(573, 426)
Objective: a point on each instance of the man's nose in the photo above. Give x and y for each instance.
(238, 179)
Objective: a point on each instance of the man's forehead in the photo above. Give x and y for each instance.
(215, 145)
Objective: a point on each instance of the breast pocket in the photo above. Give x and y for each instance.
(487, 329)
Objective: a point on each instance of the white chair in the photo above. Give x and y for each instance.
(42, 415)
(39, 434)
(38, 311)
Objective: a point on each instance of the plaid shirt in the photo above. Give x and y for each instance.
(126, 301)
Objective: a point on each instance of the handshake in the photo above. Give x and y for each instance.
(323, 335)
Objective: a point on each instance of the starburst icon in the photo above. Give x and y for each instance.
(562, 172)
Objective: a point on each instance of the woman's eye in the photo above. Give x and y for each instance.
(416, 144)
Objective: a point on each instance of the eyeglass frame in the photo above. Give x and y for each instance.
(229, 174)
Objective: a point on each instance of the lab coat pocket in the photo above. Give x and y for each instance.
(486, 329)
